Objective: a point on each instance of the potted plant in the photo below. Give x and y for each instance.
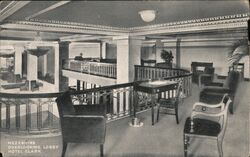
(238, 51)
(167, 56)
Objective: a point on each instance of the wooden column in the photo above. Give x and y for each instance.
(18, 59)
(158, 48)
(103, 50)
(58, 70)
(32, 67)
(178, 53)
(128, 55)
(78, 85)
(63, 56)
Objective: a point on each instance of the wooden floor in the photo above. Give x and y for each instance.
(164, 139)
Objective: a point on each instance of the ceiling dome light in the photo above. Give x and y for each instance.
(148, 15)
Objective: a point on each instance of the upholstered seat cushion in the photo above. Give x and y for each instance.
(202, 127)
(216, 89)
(213, 95)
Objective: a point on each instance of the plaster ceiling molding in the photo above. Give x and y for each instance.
(65, 27)
(196, 25)
(76, 24)
(239, 21)
(197, 22)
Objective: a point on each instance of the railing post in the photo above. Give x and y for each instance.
(124, 101)
(28, 116)
(131, 98)
(50, 115)
(0, 116)
(8, 117)
(17, 117)
(39, 115)
(118, 103)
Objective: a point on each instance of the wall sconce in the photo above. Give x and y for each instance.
(147, 15)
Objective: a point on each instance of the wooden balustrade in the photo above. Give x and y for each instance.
(28, 113)
(38, 112)
(93, 68)
(151, 73)
(117, 98)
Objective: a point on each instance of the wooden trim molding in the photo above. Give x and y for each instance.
(198, 25)
(11, 8)
(57, 26)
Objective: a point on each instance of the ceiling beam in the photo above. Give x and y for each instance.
(11, 8)
(30, 35)
(204, 39)
(54, 6)
(210, 35)
(84, 37)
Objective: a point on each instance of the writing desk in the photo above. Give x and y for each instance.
(152, 88)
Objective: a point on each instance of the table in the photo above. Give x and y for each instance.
(152, 88)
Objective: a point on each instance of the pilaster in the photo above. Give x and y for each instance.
(18, 59)
(178, 53)
(63, 55)
(128, 55)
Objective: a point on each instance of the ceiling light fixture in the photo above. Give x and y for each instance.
(35, 47)
(33, 44)
(147, 15)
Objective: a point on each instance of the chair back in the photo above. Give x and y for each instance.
(148, 62)
(64, 104)
(178, 92)
(209, 70)
(232, 80)
(223, 118)
(195, 65)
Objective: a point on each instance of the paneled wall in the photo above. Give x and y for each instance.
(89, 50)
(111, 51)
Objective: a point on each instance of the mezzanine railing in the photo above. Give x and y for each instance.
(174, 74)
(90, 67)
(28, 113)
(38, 112)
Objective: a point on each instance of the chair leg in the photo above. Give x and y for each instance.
(64, 148)
(219, 145)
(153, 114)
(101, 150)
(176, 114)
(231, 108)
(158, 112)
(185, 138)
